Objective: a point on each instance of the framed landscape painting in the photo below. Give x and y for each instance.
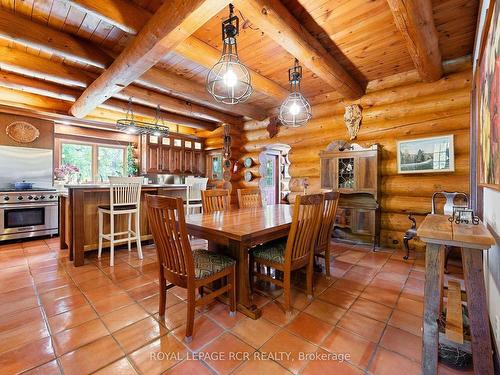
(487, 103)
(426, 155)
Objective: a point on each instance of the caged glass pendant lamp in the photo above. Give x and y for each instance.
(229, 81)
(295, 111)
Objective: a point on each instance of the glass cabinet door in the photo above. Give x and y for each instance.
(346, 173)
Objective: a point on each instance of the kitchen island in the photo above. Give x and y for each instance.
(79, 220)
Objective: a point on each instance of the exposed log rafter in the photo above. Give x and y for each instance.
(34, 35)
(415, 21)
(131, 18)
(156, 39)
(274, 19)
(51, 90)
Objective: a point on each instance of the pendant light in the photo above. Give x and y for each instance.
(295, 111)
(229, 80)
(130, 125)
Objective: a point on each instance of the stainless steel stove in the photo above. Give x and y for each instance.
(28, 213)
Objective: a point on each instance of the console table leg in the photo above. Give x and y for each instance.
(434, 258)
(472, 260)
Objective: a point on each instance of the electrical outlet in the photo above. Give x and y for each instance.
(497, 326)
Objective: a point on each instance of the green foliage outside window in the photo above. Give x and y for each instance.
(79, 156)
(110, 162)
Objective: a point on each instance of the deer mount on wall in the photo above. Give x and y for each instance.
(352, 119)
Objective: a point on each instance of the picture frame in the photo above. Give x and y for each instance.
(485, 100)
(426, 155)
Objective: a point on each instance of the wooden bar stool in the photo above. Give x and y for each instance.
(124, 199)
(195, 185)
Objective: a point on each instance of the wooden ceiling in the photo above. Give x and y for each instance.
(354, 41)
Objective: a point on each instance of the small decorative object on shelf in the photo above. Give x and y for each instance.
(463, 215)
(130, 125)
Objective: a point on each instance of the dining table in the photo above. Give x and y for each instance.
(235, 232)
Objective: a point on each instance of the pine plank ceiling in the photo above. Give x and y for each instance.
(360, 34)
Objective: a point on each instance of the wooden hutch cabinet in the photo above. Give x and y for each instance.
(175, 154)
(354, 172)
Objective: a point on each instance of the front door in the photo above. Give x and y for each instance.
(270, 189)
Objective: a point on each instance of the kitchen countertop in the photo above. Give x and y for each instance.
(105, 186)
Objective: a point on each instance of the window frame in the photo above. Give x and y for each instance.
(95, 154)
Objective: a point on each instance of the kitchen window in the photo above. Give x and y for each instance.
(95, 161)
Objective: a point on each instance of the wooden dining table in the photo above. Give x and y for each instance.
(437, 231)
(235, 232)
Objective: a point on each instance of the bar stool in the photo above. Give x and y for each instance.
(195, 185)
(124, 199)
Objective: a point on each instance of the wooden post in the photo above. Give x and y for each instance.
(472, 263)
(434, 258)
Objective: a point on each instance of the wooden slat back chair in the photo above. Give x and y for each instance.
(195, 185)
(325, 229)
(181, 266)
(124, 199)
(294, 252)
(248, 198)
(215, 200)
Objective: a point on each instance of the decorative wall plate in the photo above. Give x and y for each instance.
(22, 132)
(226, 175)
(248, 162)
(227, 164)
(248, 176)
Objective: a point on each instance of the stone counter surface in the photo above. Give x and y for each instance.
(106, 186)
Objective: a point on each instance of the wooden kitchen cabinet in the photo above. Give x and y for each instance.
(354, 172)
(176, 154)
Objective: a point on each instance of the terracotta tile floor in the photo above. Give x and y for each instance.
(55, 318)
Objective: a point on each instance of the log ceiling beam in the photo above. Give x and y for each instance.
(51, 90)
(16, 61)
(415, 21)
(31, 34)
(174, 21)
(131, 18)
(274, 19)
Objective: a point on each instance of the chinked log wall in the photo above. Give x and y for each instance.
(411, 110)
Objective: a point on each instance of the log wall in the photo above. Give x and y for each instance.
(410, 110)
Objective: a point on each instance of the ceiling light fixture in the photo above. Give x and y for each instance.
(130, 125)
(295, 111)
(229, 81)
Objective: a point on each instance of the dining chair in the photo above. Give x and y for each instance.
(215, 200)
(248, 198)
(322, 248)
(294, 252)
(124, 199)
(183, 267)
(195, 185)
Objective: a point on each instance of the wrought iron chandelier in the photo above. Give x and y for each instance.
(229, 81)
(295, 111)
(130, 125)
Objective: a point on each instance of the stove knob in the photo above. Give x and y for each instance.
(51, 197)
(20, 198)
(6, 198)
(30, 197)
(42, 197)
(36, 198)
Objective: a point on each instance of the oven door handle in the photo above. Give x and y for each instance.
(23, 205)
